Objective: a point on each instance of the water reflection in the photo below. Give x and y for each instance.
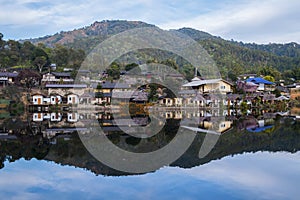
(257, 156)
(57, 140)
(259, 175)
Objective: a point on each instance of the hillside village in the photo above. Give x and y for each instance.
(55, 88)
(45, 80)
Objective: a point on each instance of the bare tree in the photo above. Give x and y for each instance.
(40, 62)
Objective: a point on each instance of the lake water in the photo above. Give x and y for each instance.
(251, 160)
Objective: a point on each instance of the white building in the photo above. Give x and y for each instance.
(55, 99)
(38, 117)
(38, 99)
(55, 117)
(72, 99)
(72, 117)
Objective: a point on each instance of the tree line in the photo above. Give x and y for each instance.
(25, 55)
(232, 58)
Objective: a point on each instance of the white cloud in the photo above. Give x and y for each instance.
(263, 174)
(249, 176)
(258, 20)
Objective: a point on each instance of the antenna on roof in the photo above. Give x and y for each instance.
(196, 72)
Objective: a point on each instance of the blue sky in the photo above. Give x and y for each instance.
(260, 21)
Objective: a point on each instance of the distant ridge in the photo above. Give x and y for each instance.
(196, 34)
(231, 57)
(87, 37)
(101, 30)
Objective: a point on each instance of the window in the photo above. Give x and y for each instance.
(222, 87)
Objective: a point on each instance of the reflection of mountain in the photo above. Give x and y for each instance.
(284, 136)
(68, 150)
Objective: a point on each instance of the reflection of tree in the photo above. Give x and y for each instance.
(236, 141)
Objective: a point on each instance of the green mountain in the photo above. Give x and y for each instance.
(87, 37)
(290, 49)
(232, 58)
(196, 34)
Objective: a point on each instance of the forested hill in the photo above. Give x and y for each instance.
(88, 37)
(233, 58)
(290, 49)
(196, 34)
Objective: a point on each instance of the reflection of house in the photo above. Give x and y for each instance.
(55, 117)
(233, 100)
(177, 115)
(196, 100)
(218, 126)
(282, 98)
(39, 99)
(38, 117)
(178, 102)
(259, 129)
(208, 124)
(63, 132)
(72, 117)
(251, 124)
(108, 124)
(295, 112)
(295, 93)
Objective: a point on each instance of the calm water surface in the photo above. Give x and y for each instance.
(246, 163)
(260, 175)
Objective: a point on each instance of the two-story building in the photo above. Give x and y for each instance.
(210, 86)
(104, 91)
